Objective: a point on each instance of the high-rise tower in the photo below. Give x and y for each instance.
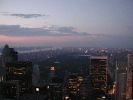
(98, 74)
(130, 77)
(9, 55)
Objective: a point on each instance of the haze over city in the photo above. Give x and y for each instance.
(66, 50)
(87, 23)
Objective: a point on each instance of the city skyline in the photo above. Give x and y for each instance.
(90, 23)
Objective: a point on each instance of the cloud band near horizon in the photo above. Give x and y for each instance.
(17, 30)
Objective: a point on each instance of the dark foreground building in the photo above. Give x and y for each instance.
(18, 79)
(9, 55)
(98, 74)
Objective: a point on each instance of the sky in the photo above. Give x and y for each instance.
(67, 23)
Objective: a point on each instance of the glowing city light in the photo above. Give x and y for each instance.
(37, 89)
(52, 68)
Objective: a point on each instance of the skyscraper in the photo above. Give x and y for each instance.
(35, 75)
(8, 55)
(98, 74)
(18, 74)
(130, 77)
(120, 80)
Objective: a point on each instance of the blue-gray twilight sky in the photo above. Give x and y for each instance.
(88, 23)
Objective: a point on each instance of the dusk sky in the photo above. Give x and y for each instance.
(86, 23)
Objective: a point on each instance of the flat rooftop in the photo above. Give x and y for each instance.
(99, 57)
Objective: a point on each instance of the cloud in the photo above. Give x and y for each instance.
(17, 30)
(27, 15)
(23, 15)
(70, 30)
(66, 31)
(60, 36)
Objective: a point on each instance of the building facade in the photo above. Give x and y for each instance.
(98, 74)
(22, 72)
(130, 77)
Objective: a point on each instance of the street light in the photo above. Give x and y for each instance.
(37, 90)
(66, 97)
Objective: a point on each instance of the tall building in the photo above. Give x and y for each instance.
(120, 78)
(72, 86)
(35, 75)
(98, 74)
(18, 74)
(8, 55)
(130, 77)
